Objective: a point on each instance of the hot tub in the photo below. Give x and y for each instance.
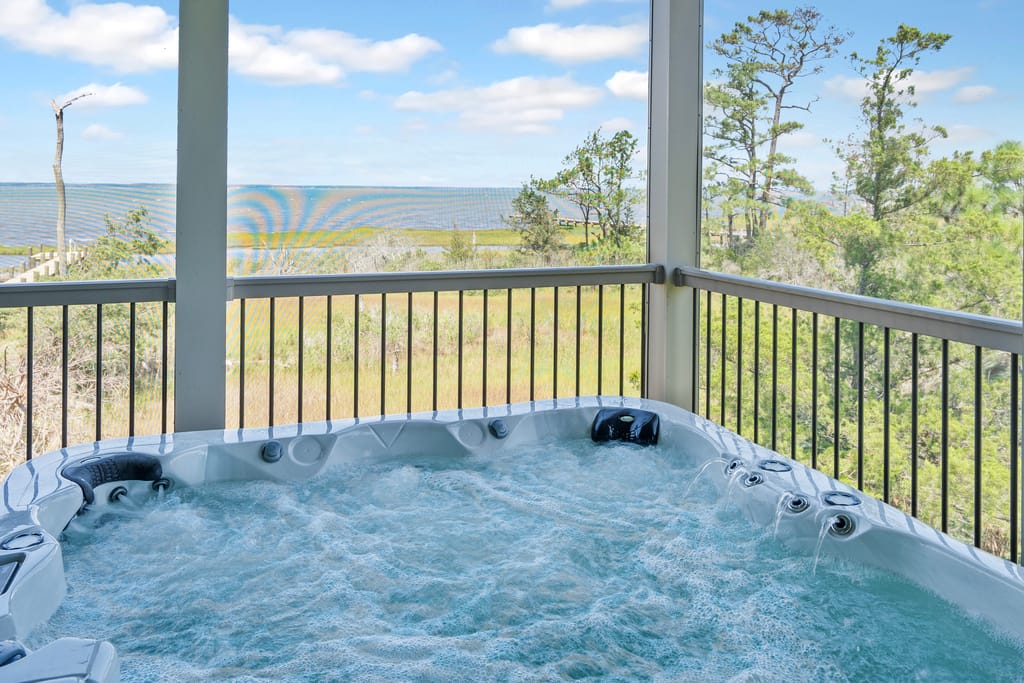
(656, 502)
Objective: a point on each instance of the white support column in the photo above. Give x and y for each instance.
(673, 196)
(201, 232)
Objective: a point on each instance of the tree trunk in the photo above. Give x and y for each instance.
(58, 179)
(769, 167)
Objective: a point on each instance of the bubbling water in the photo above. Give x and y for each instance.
(564, 561)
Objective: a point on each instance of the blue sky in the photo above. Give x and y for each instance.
(453, 92)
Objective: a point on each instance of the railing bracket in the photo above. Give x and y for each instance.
(678, 277)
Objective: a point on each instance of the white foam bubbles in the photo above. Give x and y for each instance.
(556, 562)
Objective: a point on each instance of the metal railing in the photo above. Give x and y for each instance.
(82, 359)
(384, 343)
(917, 406)
(94, 360)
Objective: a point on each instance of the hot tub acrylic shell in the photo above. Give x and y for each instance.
(38, 503)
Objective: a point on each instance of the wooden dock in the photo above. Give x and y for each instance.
(563, 222)
(42, 264)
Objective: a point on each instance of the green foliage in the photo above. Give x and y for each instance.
(461, 249)
(886, 165)
(941, 232)
(631, 249)
(580, 181)
(619, 199)
(598, 177)
(123, 251)
(536, 221)
(854, 244)
(765, 57)
(1003, 168)
(954, 187)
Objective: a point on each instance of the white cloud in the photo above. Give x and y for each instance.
(800, 139)
(256, 51)
(518, 105)
(574, 44)
(318, 56)
(415, 126)
(960, 134)
(925, 83)
(135, 38)
(127, 38)
(555, 5)
(444, 77)
(974, 93)
(100, 132)
(359, 54)
(617, 124)
(631, 84)
(847, 88)
(115, 95)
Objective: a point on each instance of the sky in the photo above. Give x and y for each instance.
(446, 93)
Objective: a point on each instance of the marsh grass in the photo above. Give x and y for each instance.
(413, 371)
(396, 375)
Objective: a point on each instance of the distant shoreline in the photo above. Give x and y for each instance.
(291, 216)
(355, 237)
(285, 186)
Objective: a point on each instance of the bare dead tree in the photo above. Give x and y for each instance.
(58, 178)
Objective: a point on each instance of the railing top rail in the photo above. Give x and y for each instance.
(23, 295)
(254, 287)
(968, 328)
(985, 331)
(259, 287)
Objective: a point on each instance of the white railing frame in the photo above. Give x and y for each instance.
(978, 330)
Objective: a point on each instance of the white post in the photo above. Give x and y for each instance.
(201, 232)
(673, 195)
